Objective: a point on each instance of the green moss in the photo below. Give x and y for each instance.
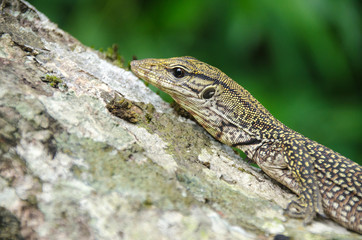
(147, 202)
(128, 172)
(111, 54)
(76, 170)
(223, 198)
(54, 81)
(185, 141)
(124, 109)
(178, 136)
(32, 200)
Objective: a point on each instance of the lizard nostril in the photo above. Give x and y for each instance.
(134, 64)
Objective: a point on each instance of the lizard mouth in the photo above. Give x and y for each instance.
(139, 70)
(147, 71)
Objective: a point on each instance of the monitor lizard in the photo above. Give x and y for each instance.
(326, 182)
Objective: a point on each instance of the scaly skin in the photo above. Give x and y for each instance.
(324, 180)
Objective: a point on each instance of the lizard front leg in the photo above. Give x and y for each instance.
(290, 164)
(270, 158)
(301, 165)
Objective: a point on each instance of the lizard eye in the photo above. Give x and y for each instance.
(178, 72)
(208, 93)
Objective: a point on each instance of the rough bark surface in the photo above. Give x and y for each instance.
(87, 151)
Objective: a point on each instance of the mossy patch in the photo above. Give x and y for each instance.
(111, 54)
(185, 140)
(54, 81)
(128, 172)
(224, 199)
(129, 111)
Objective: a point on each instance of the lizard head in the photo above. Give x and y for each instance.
(214, 99)
(186, 79)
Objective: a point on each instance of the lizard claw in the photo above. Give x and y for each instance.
(297, 210)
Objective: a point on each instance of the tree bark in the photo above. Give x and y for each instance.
(87, 151)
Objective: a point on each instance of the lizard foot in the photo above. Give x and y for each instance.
(296, 210)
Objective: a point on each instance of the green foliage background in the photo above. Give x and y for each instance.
(302, 59)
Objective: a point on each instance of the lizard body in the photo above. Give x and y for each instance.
(324, 180)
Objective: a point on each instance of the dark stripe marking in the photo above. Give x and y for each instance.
(249, 142)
